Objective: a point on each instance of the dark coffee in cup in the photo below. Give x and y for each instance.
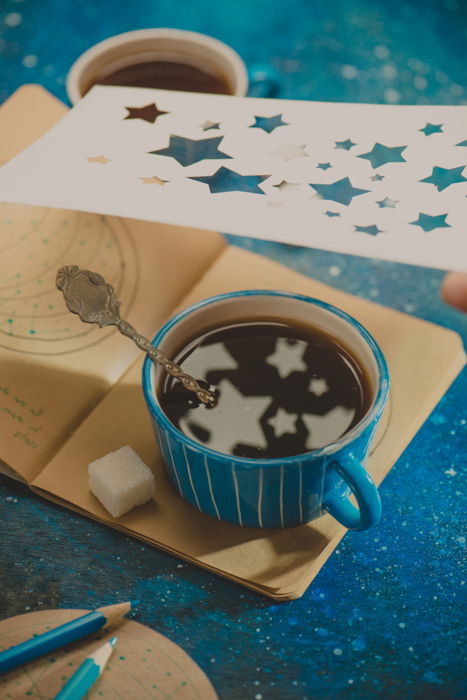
(167, 75)
(284, 389)
(162, 58)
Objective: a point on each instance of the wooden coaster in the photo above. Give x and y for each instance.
(144, 664)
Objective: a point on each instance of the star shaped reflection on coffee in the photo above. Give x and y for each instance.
(232, 406)
(277, 396)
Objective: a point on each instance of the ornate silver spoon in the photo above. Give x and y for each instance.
(94, 300)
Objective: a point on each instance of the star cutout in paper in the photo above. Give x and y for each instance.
(283, 422)
(340, 191)
(154, 180)
(462, 143)
(386, 202)
(372, 230)
(210, 125)
(149, 113)
(285, 186)
(346, 145)
(243, 412)
(288, 151)
(98, 159)
(318, 386)
(288, 357)
(443, 177)
(324, 166)
(380, 155)
(432, 129)
(331, 213)
(268, 123)
(377, 177)
(225, 180)
(428, 223)
(189, 151)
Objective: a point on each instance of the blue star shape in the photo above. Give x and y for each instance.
(268, 123)
(432, 129)
(428, 223)
(372, 230)
(380, 155)
(324, 166)
(331, 213)
(377, 177)
(346, 145)
(462, 143)
(444, 177)
(340, 191)
(225, 180)
(189, 151)
(386, 202)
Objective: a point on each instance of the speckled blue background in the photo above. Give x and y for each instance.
(384, 617)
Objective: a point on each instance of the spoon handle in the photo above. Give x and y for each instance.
(161, 358)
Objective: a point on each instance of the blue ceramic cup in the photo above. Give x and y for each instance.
(272, 493)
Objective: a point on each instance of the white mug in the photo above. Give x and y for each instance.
(139, 46)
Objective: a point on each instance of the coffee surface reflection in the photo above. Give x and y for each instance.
(284, 389)
(167, 75)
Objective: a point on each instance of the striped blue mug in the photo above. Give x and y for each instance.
(280, 492)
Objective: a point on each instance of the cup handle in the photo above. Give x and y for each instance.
(368, 512)
(263, 81)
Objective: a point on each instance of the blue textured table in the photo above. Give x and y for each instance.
(384, 616)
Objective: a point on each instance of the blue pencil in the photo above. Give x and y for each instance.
(88, 673)
(62, 635)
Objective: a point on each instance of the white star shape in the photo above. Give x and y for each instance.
(232, 409)
(288, 151)
(283, 422)
(288, 357)
(451, 472)
(318, 386)
(207, 358)
(323, 430)
(285, 186)
(209, 125)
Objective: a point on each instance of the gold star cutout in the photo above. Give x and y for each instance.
(154, 180)
(98, 159)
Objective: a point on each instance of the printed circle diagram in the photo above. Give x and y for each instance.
(34, 243)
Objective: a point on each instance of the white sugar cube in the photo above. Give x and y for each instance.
(121, 481)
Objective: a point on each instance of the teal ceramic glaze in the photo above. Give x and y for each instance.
(273, 493)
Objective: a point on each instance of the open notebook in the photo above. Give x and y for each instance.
(71, 393)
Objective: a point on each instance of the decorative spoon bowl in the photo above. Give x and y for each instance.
(87, 294)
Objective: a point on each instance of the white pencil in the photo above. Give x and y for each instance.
(88, 673)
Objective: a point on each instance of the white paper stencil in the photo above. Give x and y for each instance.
(375, 180)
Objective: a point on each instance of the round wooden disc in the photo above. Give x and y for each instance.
(144, 664)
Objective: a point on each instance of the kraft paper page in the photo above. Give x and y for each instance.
(278, 563)
(53, 367)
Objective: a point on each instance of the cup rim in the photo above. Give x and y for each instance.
(372, 414)
(100, 48)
